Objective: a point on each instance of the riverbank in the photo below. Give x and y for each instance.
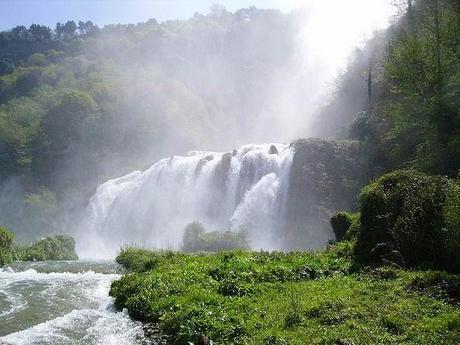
(287, 298)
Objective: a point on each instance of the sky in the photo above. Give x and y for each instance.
(102, 12)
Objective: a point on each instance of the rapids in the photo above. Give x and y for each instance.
(44, 303)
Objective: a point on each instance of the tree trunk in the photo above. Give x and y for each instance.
(437, 48)
(369, 88)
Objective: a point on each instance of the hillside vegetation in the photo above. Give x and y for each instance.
(81, 104)
(400, 95)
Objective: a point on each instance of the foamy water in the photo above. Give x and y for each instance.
(224, 191)
(69, 305)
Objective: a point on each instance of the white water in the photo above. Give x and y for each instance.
(223, 191)
(62, 307)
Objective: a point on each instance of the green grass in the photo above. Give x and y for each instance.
(294, 298)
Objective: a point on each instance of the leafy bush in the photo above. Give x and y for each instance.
(59, 247)
(197, 239)
(6, 246)
(409, 218)
(345, 225)
(142, 260)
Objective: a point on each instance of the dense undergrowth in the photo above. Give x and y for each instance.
(242, 297)
(58, 247)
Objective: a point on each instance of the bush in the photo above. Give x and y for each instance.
(137, 260)
(345, 225)
(6, 246)
(197, 239)
(409, 218)
(60, 247)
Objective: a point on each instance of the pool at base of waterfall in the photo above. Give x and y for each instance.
(63, 303)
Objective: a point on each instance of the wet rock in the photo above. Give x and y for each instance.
(273, 150)
(154, 336)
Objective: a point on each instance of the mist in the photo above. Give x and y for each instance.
(214, 82)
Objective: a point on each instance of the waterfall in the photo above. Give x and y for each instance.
(247, 187)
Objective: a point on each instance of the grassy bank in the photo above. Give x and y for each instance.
(293, 298)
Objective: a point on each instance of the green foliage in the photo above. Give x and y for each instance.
(140, 260)
(281, 298)
(59, 247)
(403, 90)
(6, 246)
(403, 221)
(37, 59)
(345, 225)
(196, 239)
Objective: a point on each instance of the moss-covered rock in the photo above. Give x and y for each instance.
(410, 217)
(326, 176)
(6, 246)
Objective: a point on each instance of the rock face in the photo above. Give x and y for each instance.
(326, 176)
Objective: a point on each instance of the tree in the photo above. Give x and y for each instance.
(19, 33)
(87, 28)
(39, 32)
(69, 29)
(59, 30)
(6, 66)
(64, 123)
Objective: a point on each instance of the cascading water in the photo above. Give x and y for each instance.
(247, 187)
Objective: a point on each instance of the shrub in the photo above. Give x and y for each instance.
(137, 260)
(6, 246)
(192, 237)
(403, 220)
(197, 239)
(59, 247)
(345, 225)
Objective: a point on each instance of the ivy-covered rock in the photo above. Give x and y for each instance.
(409, 218)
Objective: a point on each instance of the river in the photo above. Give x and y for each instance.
(63, 303)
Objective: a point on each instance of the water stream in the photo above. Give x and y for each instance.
(63, 303)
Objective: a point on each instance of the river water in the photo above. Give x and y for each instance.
(63, 303)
